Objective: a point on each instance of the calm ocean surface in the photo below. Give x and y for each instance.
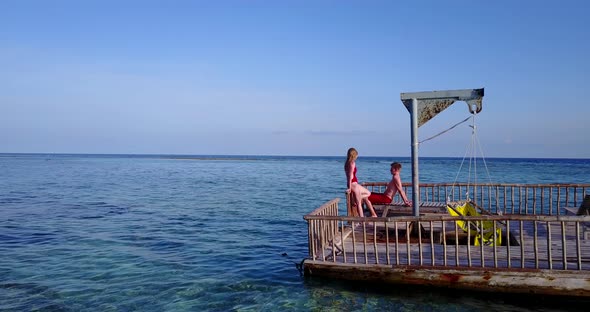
(204, 233)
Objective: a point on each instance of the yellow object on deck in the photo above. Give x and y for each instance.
(484, 229)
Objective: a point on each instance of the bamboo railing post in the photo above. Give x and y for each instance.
(365, 242)
(375, 243)
(431, 244)
(419, 241)
(316, 238)
(508, 244)
(563, 245)
(323, 239)
(408, 241)
(549, 260)
(353, 223)
(444, 241)
(387, 242)
(342, 241)
(521, 230)
(495, 249)
(333, 249)
(468, 244)
(456, 244)
(578, 247)
(311, 250)
(481, 244)
(396, 243)
(535, 244)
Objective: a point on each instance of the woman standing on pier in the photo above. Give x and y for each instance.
(357, 191)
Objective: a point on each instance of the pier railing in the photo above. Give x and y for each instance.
(529, 225)
(527, 242)
(520, 199)
(321, 231)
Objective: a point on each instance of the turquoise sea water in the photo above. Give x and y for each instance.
(204, 233)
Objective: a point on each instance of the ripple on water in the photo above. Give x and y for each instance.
(31, 297)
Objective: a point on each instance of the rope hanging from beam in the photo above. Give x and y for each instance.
(444, 131)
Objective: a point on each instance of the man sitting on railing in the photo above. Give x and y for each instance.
(394, 186)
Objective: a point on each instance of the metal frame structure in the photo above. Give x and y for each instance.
(422, 107)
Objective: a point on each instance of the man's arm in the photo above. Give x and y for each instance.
(400, 189)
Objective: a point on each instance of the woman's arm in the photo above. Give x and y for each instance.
(349, 172)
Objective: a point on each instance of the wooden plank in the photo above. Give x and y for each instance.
(524, 281)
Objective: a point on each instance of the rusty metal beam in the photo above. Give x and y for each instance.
(431, 103)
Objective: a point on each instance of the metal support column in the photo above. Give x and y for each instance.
(415, 180)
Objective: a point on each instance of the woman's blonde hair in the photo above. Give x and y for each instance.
(351, 155)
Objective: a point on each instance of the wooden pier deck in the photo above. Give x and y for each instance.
(536, 253)
(387, 243)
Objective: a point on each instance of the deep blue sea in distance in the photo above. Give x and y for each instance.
(209, 233)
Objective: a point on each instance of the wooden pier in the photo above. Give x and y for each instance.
(541, 245)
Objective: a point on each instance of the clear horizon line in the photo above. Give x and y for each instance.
(265, 155)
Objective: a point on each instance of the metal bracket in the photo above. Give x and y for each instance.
(431, 103)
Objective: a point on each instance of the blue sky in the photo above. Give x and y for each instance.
(291, 77)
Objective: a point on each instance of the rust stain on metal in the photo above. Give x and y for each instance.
(475, 105)
(430, 108)
(453, 278)
(487, 276)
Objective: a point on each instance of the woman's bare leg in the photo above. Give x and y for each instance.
(365, 193)
(359, 205)
(370, 206)
(357, 189)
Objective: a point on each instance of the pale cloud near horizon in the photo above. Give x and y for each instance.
(342, 133)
